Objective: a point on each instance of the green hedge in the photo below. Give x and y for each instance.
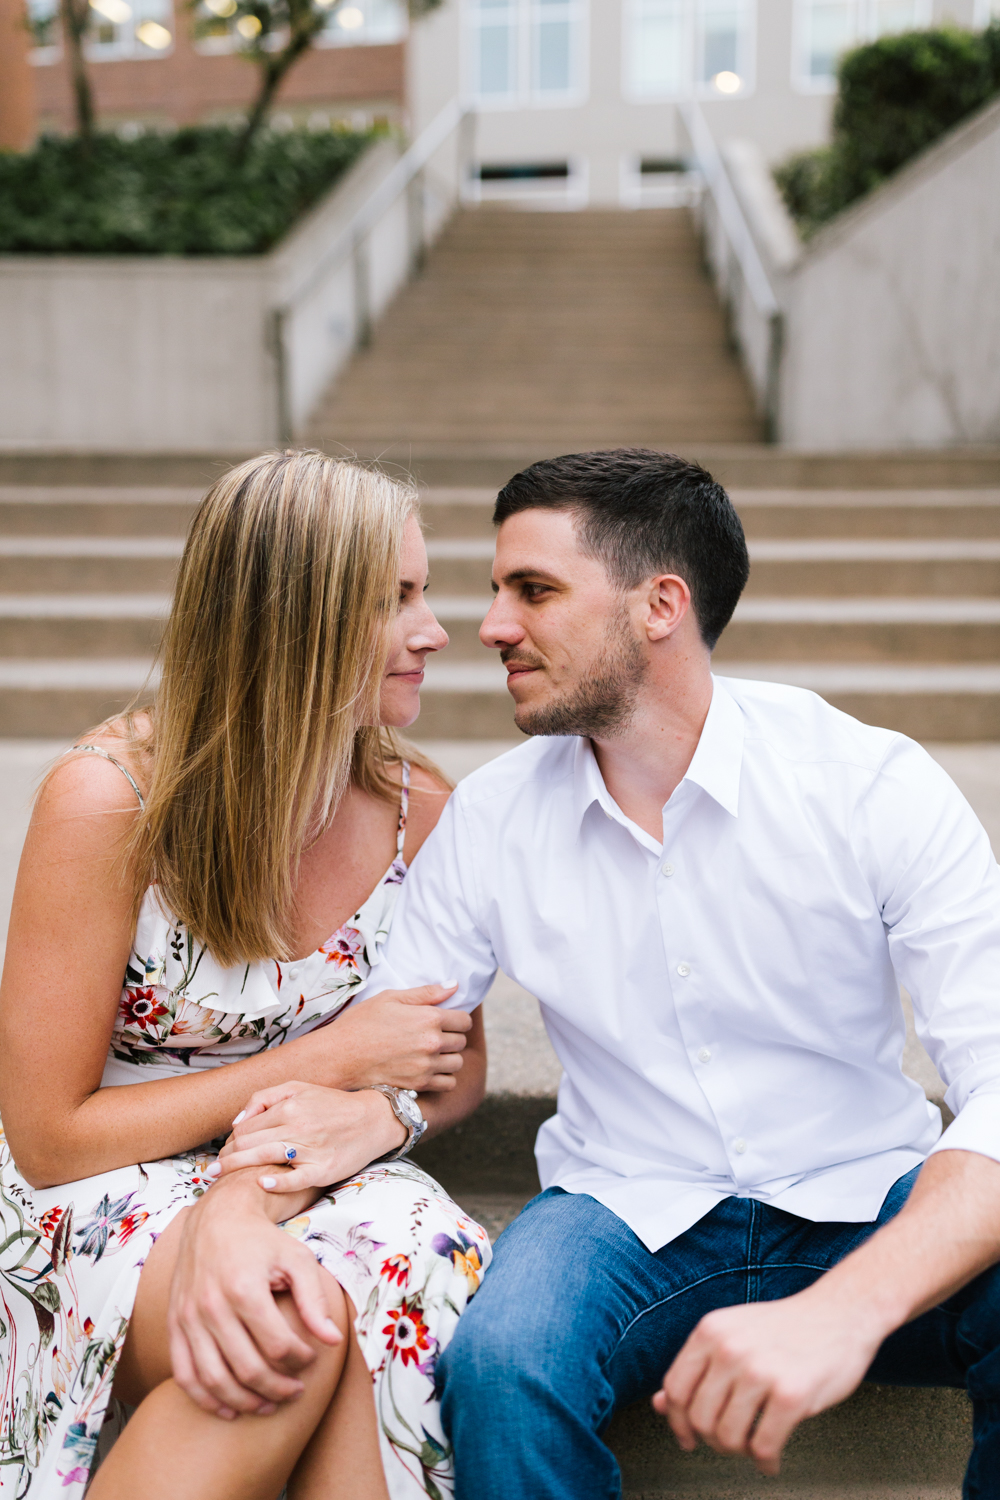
(173, 194)
(895, 97)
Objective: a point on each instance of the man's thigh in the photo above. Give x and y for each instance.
(572, 1294)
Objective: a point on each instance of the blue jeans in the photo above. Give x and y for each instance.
(576, 1317)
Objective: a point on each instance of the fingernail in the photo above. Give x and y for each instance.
(265, 1182)
(226, 1413)
(239, 1117)
(331, 1326)
(266, 1409)
(214, 1169)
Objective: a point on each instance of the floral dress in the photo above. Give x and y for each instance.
(71, 1256)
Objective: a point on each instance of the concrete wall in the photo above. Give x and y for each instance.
(892, 314)
(143, 354)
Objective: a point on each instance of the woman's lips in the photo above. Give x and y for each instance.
(416, 676)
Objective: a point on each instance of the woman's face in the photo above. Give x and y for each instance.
(414, 633)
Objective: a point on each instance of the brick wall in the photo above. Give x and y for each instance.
(187, 86)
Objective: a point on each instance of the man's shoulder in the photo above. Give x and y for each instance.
(540, 762)
(800, 726)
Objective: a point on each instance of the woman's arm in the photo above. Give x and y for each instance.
(319, 1123)
(69, 941)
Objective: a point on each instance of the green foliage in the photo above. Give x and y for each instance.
(895, 97)
(177, 194)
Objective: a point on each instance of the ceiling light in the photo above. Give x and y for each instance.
(728, 83)
(221, 7)
(249, 26)
(350, 18)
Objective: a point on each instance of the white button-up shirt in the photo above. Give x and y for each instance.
(726, 1005)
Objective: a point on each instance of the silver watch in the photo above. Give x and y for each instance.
(407, 1112)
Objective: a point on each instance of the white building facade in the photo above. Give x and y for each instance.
(577, 99)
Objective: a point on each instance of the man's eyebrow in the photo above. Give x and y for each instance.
(519, 575)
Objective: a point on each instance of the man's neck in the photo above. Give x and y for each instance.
(645, 763)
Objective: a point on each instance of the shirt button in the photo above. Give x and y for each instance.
(666, 869)
(704, 1055)
(739, 1146)
(684, 970)
(293, 972)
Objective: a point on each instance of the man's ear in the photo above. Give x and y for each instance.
(668, 601)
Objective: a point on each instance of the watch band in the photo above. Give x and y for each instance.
(414, 1128)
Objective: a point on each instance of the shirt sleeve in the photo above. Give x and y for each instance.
(938, 887)
(437, 935)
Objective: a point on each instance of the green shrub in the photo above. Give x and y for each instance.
(173, 194)
(895, 97)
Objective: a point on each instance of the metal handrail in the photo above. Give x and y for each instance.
(711, 166)
(409, 166)
(352, 242)
(708, 160)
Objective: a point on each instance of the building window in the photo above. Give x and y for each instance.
(355, 23)
(43, 23)
(674, 48)
(825, 29)
(526, 51)
(986, 11)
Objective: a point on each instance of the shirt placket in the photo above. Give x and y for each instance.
(687, 947)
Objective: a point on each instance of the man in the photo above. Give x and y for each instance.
(715, 889)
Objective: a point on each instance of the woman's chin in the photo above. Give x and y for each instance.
(403, 711)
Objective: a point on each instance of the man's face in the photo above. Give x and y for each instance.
(573, 656)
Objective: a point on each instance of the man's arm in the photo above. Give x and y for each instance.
(749, 1374)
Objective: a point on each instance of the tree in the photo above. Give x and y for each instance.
(76, 23)
(274, 34)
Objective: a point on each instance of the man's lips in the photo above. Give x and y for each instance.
(519, 669)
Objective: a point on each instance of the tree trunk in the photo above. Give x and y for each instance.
(275, 66)
(74, 18)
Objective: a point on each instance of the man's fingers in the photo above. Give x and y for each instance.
(455, 1020)
(781, 1415)
(441, 1083)
(734, 1424)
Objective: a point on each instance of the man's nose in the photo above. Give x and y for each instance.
(500, 628)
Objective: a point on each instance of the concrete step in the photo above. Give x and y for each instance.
(87, 625)
(110, 509)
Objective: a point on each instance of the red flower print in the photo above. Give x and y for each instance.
(88, 1327)
(48, 1221)
(344, 947)
(407, 1332)
(397, 1268)
(141, 1008)
(131, 1223)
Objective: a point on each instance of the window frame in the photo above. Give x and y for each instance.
(525, 18)
(866, 30)
(692, 20)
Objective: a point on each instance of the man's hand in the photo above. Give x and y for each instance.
(403, 1037)
(749, 1374)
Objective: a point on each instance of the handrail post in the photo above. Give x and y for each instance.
(416, 222)
(772, 393)
(466, 154)
(361, 264)
(281, 375)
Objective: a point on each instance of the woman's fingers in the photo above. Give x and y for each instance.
(213, 1374)
(308, 1175)
(182, 1365)
(311, 1289)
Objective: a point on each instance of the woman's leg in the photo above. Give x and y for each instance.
(343, 1456)
(176, 1447)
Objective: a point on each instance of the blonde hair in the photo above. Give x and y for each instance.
(268, 702)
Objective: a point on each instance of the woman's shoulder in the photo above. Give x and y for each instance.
(111, 780)
(429, 791)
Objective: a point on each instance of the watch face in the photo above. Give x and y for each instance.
(410, 1108)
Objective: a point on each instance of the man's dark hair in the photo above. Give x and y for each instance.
(643, 513)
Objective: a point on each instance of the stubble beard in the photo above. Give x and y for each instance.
(604, 703)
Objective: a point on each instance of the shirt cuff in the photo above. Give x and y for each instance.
(975, 1128)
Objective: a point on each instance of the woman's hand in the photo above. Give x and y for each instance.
(334, 1135)
(401, 1037)
(230, 1347)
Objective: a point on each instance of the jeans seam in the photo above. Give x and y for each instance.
(791, 1265)
(753, 1249)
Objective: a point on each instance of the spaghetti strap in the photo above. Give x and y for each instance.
(96, 750)
(404, 807)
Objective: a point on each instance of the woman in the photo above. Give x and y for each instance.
(235, 854)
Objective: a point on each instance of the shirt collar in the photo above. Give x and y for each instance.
(715, 765)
